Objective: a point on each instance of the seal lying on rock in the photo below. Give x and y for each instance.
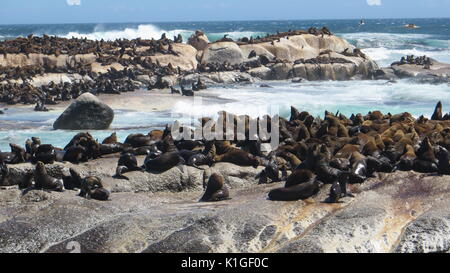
(127, 163)
(92, 187)
(216, 190)
(296, 192)
(44, 181)
(163, 162)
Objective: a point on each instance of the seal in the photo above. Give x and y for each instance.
(216, 190)
(4, 180)
(437, 115)
(163, 162)
(45, 153)
(75, 154)
(127, 163)
(407, 159)
(139, 140)
(92, 187)
(299, 177)
(426, 151)
(206, 157)
(72, 181)
(112, 139)
(444, 161)
(238, 157)
(339, 190)
(296, 192)
(44, 181)
(106, 149)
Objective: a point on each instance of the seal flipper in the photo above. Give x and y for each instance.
(262, 177)
(120, 170)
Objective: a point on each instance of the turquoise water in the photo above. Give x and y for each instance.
(385, 41)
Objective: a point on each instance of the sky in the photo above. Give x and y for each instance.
(105, 11)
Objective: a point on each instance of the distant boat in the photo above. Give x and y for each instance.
(412, 26)
(362, 23)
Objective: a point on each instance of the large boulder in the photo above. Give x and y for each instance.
(86, 113)
(198, 40)
(186, 57)
(223, 52)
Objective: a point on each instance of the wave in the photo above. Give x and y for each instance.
(386, 48)
(387, 40)
(316, 97)
(148, 31)
(142, 31)
(384, 56)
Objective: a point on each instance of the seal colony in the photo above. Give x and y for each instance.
(46, 70)
(335, 150)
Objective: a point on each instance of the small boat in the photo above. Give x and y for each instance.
(412, 26)
(362, 23)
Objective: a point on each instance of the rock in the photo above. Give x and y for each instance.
(223, 52)
(227, 77)
(401, 212)
(259, 50)
(282, 71)
(263, 73)
(385, 74)
(199, 42)
(428, 233)
(86, 112)
(186, 59)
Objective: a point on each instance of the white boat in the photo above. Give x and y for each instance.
(412, 26)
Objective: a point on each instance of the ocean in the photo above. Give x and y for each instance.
(384, 40)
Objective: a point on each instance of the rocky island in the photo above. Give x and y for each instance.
(372, 182)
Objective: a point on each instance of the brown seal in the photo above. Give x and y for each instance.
(92, 187)
(44, 181)
(296, 192)
(299, 177)
(216, 190)
(112, 139)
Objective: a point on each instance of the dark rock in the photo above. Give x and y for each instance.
(86, 113)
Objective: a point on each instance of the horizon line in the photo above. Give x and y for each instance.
(207, 21)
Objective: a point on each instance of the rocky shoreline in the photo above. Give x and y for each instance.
(373, 183)
(51, 69)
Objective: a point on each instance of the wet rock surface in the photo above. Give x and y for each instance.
(397, 212)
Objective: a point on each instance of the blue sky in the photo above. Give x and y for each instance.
(102, 11)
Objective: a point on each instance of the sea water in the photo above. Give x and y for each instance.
(384, 40)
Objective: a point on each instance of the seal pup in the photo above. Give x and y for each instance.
(44, 181)
(339, 190)
(216, 190)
